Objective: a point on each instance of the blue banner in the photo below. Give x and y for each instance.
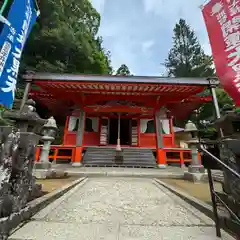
(21, 17)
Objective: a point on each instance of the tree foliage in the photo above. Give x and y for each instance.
(123, 70)
(187, 59)
(65, 39)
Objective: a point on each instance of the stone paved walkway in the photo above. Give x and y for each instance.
(118, 209)
(169, 172)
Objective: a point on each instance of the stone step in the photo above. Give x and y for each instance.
(131, 157)
(100, 155)
(113, 157)
(113, 160)
(118, 164)
(113, 165)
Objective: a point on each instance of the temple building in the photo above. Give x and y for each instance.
(133, 114)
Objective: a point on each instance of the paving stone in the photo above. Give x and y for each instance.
(168, 233)
(37, 230)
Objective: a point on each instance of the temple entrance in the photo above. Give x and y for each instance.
(125, 135)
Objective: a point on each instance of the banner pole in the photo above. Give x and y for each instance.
(4, 20)
(203, 4)
(3, 7)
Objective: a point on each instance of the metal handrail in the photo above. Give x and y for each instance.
(214, 195)
(220, 162)
(226, 206)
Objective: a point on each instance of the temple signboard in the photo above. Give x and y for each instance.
(21, 17)
(222, 18)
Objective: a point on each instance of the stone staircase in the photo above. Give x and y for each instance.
(132, 157)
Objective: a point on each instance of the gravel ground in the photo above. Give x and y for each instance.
(121, 209)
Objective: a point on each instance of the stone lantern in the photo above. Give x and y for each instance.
(195, 171)
(27, 119)
(49, 132)
(18, 143)
(228, 125)
(43, 168)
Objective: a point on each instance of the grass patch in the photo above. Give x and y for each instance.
(49, 185)
(198, 190)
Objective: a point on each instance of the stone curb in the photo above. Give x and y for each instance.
(121, 174)
(198, 204)
(9, 223)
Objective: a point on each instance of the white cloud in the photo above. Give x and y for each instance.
(150, 5)
(207, 48)
(146, 46)
(139, 33)
(124, 55)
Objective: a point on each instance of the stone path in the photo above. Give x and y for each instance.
(118, 209)
(169, 172)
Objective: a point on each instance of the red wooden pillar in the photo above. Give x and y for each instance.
(161, 154)
(65, 130)
(77, 156)
(37, 153)
(161, 158)
(139, 131)
(172, 130)
(182, 163)
(99, 130)
(200, 158)
(76, 161)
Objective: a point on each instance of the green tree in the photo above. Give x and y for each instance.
(123, 70)
(186, 58)
(65, 39)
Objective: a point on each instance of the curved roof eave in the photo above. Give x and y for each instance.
(119, 79)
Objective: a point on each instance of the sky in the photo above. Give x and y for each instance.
(139, 33)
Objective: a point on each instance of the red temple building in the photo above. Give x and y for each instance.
(105, 112)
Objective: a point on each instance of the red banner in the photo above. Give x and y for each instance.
(222, 19)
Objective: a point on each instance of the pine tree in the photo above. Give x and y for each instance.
(186, 58)
(123, 70)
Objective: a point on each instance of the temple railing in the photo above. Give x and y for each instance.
(220, 201)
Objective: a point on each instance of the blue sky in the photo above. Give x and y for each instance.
(139, 32)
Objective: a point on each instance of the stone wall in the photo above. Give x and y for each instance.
(17, 156)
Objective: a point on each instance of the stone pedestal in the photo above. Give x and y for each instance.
(196, 174)
(196, 169)
(162, 166)
(42, 170)
(49, 173)
(196, 177)
(76, 164)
